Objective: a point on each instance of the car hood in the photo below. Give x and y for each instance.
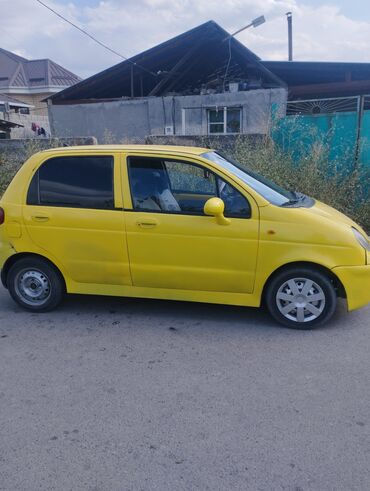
(321, 209)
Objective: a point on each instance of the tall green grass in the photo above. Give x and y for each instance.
(343, 185)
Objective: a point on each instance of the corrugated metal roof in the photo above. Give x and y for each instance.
(16, 71)
(18, 79)
(305, 72)
(13, 56)
(198, 57)
(307, 79)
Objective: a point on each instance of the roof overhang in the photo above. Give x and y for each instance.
(326, 79)
(39, 89)
(15, 103)
(8, 125)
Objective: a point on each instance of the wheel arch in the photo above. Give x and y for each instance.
(339, 288)
(21, 255)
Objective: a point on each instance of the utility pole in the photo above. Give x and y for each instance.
(290, 36)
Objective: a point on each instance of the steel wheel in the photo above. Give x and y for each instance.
(33, 287)
(35, 284)
(300, 300)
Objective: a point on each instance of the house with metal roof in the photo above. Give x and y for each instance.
(31, 81)
(24, 85)
(202, 82)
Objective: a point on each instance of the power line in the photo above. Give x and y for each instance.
(94, 38)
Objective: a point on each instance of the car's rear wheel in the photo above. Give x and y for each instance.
(35, 284)
(301, 298)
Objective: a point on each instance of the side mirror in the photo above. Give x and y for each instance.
(215, 207)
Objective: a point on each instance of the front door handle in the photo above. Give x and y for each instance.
(147, 223)
(40, 218)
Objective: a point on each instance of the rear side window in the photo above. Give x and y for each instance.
(74, 182)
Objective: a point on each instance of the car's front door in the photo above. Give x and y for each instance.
(74, 215)
(172, 244)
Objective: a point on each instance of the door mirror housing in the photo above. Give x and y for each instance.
(215, 207)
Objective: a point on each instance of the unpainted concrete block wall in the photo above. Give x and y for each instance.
(131, 121)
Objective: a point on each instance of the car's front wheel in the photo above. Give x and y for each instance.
(35, 284)
(301, 298)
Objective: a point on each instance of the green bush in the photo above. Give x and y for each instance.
(7, 172)
(342, 185)
(12, 160)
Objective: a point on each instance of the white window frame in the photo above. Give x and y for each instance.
(224, 109)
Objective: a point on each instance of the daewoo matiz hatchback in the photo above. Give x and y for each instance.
(177, 223)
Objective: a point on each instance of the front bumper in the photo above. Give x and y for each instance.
(356, 282)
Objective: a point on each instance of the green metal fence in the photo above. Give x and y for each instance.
(342, 125)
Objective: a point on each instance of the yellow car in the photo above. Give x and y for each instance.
(177, 223)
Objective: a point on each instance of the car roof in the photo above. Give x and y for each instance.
(132, 148)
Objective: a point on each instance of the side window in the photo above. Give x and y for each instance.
(180, 187)
(74, 182)
(169, 186)
(191, 185)
(236, 205)
(190, 179)
(150, 187)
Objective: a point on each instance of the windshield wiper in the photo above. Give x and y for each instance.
(298, 197)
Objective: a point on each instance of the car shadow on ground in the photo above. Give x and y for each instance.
(184, 313)
(119, 311)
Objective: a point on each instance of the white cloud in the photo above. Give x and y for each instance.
(131, 26)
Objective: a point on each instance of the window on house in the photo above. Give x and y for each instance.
(224, 120)
(74, 182)
(21, 110)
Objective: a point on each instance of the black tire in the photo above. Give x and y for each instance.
(40, 279)
(280, 297)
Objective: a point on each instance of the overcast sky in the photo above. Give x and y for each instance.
(334, 30)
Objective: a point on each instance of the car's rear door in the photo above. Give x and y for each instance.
(74, 215)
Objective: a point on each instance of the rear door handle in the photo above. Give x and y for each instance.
(40, 218)
(147, 223)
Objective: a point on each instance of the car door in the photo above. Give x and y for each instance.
(172, 244)
(74, 215)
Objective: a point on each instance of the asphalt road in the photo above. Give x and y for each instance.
(110, 394)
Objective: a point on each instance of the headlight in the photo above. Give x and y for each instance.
(363, 241)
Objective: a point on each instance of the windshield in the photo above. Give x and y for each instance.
(266, 188)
